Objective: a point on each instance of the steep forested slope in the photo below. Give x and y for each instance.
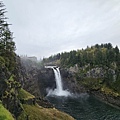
(15, 102)
(8, 86)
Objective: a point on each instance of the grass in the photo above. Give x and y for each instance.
(35, 112)
(25, 95)
(4, 113)
(11, 78)
(95, 84)
(109, 91)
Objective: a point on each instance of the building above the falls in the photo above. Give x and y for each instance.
(32, 58)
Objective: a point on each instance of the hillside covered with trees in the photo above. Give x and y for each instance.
(103, 54)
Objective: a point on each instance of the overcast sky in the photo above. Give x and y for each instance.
(45, 27)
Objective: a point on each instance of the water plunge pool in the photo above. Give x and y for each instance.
(85, 107)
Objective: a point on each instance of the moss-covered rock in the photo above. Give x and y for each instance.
(24, 95)
(35, 112)
(32, 111)
(4, 113)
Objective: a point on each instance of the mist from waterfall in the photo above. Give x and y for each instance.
(58, 91)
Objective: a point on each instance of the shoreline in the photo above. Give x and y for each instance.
(107, 99)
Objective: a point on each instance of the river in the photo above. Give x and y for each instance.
(85, 107)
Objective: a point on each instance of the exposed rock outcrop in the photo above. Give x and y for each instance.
(70, 82)
(46, 80)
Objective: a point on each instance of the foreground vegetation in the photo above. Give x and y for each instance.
(24, 95)
(4, 113)
(36, 112)
(32, 111)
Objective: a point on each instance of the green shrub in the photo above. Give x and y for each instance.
(4, 113)
(22, 94)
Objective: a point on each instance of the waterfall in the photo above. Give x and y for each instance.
(58, 91)
(58, 80)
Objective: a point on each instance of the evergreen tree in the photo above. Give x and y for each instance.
(7, 45)
(7, 50)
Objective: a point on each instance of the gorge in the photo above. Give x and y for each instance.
(83, 106)
(82, 84)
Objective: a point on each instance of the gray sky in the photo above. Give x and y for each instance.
(46, 27)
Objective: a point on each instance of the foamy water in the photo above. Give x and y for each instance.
(58, 91)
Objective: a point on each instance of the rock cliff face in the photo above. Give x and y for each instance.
(46, 80)
(38, 80)
(70, 82)
(29, 77)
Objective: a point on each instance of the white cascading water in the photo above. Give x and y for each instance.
(59, 87)
(58, 79)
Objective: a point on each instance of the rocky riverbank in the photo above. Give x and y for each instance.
(107, 98)
(93, 82)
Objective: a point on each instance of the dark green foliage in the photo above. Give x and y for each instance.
(92, 83)
(8, 84)
(7, 46)
(4, 113)
(103, 54)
